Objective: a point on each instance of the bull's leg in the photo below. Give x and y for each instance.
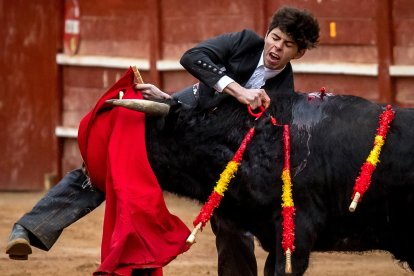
(235, 249)
(276, 261)
(305, 236)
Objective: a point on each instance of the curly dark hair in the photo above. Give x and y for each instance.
(301, 25)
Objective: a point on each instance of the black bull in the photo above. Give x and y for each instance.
(330, 140)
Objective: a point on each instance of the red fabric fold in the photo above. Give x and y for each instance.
(138, 232)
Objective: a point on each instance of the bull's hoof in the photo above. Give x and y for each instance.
(18, 246)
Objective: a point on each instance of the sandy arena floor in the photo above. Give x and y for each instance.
(77, 253)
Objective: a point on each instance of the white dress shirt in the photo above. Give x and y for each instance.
(260, 75)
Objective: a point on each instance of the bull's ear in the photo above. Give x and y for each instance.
(148, 107)
(299, 54)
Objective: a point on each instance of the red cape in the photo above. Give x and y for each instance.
(138, 232)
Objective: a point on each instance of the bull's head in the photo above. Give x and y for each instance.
(148, 107)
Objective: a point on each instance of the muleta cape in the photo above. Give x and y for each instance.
(139, 232)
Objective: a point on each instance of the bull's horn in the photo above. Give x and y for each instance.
(148, 107)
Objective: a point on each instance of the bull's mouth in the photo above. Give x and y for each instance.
(148, 107)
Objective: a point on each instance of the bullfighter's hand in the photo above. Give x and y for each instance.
(151, 92)
(253, 97)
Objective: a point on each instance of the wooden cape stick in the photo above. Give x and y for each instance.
(137, 75)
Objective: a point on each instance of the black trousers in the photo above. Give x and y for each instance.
(65, 203)
(73, 197)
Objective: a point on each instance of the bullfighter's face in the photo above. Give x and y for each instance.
(279, 49)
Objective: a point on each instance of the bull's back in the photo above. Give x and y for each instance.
(337, 136)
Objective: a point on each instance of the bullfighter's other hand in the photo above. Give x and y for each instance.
(151, 92)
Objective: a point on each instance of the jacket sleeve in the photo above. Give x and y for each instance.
(208, 60)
